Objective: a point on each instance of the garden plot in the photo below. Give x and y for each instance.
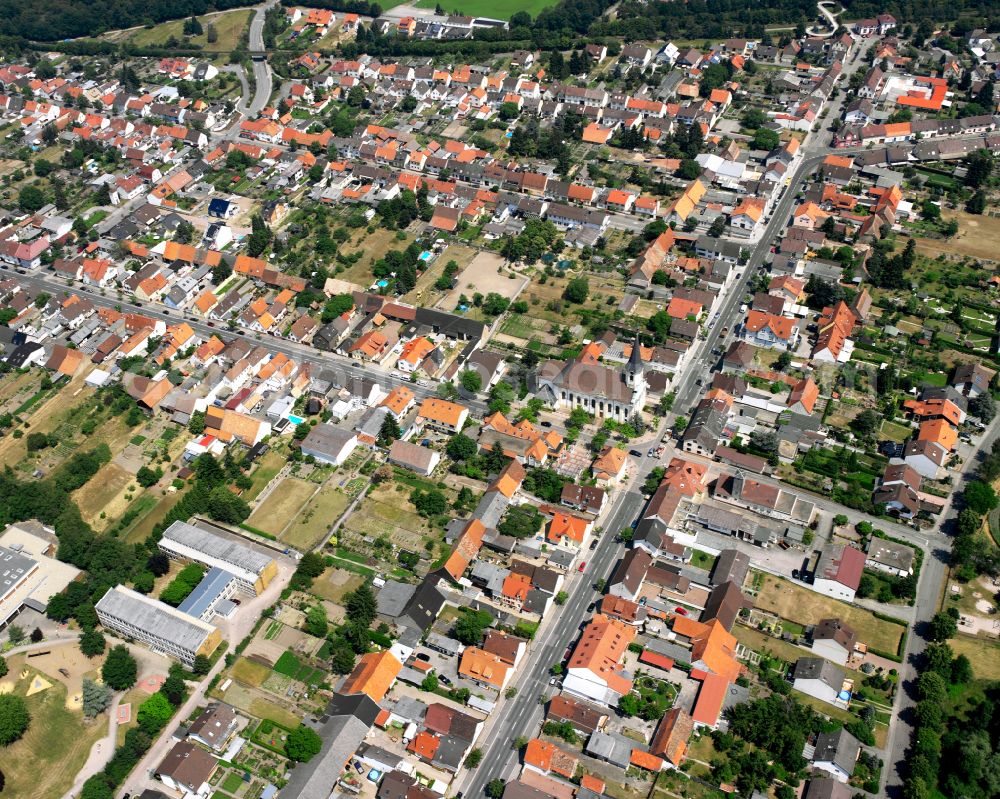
(314, 521)
(281, 505)
(806, 607)
(483, 274)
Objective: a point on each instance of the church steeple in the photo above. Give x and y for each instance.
(635, 370)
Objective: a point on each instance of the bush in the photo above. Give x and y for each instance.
(14, 718)
(302, 744)
(183, 584)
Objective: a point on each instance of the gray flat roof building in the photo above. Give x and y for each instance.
(252, 569)
(163, 628)
(14, 568)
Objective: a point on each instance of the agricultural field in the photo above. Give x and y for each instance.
(249, 672)
(801, 605)
(103, 498)
(976, 237)
(334, 584)
(281, 505)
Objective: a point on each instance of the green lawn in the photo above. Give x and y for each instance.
(702, 560)
(44, 762)
(290, 666)
(981, 652)
(346, 554)
(232, 783)
(504, 9)
(229, 25)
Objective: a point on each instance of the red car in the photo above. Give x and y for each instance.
(681, 611)
(583, 566)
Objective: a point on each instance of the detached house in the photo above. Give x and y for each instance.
(838, 571)
(763, 329)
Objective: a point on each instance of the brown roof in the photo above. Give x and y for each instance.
(214, 724)
(188, 765)
(502, 645)
(724, 603)
(632, 569)
(412, 455)
(580, 715)
(836, 630)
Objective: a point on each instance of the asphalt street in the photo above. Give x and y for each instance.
(522, 714)
(347, 373)
(261, 68)
(815, 148)
(932, 583)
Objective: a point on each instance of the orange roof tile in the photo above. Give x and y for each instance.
(424, 745)
(672, 735)
(569, 526)
(547, 757)
(600, 648)
(442, 411)
(781, 326)
(708, 705)
(373, 675)
(415, 350)
(680, 308)
(483, 666)
(509, 480)
(399, 399)
(645, 760)
(516, 586)
(687, 477)
(805, 391)
(609, 463)
(940, 432)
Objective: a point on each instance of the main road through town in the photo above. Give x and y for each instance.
(521, 714)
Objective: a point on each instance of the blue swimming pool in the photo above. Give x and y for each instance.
(382, 284)
(295, 419)
(426, 255)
